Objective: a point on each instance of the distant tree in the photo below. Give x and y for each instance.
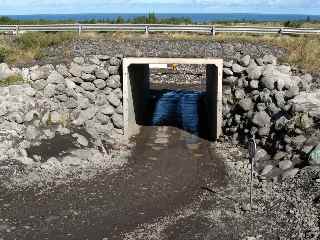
(120, 20)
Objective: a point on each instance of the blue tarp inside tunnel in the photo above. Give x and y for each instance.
(178, 108)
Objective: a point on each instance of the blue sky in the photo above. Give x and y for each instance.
(158, 6)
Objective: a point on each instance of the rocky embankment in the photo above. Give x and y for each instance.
(275, 104)
(60, 116)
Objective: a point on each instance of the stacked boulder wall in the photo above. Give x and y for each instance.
(274, 104)
(82, 100)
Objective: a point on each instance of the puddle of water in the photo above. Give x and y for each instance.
(58, 146)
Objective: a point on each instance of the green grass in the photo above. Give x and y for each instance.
(302, 51)
(29, 46)
(12, 80)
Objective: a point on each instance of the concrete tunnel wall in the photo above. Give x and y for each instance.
(136, 84)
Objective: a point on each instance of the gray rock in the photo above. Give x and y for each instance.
(298, 141)
(101, 99)
(42, 72)
(63, 70)
(244, 61)
(284, 69)
(83, 102)
(290, 173)
(31, 115)
(85, 116)
(307, 102)
(88, 77)
(79, 60)
(230, 80)
(279, 156)
(261, 155)
(72, 161)
(16, 117)
(292, 92)
(5, 71)
(254, 84)
(25, 160)
(70, 84)
(102, 118)
(49, 90)
(32, 132)
(279, 97)
(114, 81)
(117, 120)
(269, 59)
(39, 84)
(114, 61)
(227, 64)
(119, 109)
(103, 57)
(71, 103)
(113, 99)
(266, 170)
(107, 109)
(75, 70)
(102, 73)
(113, 70)
(100, 84)
(268, 79)
(55, 78)
(81, 139)
(239, 94)
(254, 72)
(236, 68)
(261, 119)
(88, 86)
(118, 92)
(281, 123)
(55, 117)
(307, 78)
(264, 131)
(310, 143)
(76, 79)
(246, 104)
(95, 60)
(314, 156)
(227, 72)
(285, 164)
(88, 68)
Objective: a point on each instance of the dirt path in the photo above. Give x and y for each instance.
(164, 174)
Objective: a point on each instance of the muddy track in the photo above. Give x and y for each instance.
(165, 173)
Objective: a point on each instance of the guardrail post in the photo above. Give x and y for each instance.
(213, 31)
(79, 29)
(146, 30)
(281, 31)
(17, 30)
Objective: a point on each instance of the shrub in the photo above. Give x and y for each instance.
(3, 53)
(42, 40)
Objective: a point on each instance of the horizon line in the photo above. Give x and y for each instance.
(141, 13)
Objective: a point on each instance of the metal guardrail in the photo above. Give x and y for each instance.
(16, 29)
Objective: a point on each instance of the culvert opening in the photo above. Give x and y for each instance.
(170, 92)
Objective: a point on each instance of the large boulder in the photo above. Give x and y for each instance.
(314, 157)
(307, 102)
(5, 71)
(261, 119)
(42, 72)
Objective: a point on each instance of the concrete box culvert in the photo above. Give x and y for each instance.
(136, 84)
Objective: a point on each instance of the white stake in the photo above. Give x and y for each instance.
(252, 152)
